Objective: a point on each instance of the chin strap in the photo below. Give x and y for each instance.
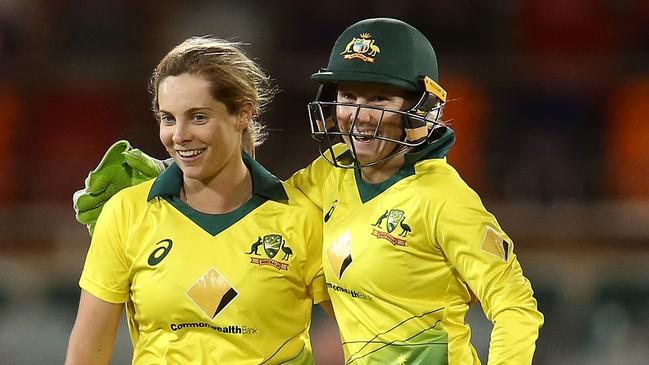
(416, 134)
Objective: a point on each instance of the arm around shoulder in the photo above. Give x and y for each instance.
(311, 179)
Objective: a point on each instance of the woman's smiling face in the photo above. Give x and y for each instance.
(368, 121)
(196, 129)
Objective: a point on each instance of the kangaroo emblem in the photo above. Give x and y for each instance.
(380, 220)
(348, 48)
(255, 247)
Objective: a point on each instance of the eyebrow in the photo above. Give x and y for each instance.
(188, 111)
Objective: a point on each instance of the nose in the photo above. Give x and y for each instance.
(362, 116)
(181, 133)
(355, 115)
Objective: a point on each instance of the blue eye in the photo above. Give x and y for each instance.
(167, 119)
(200, 117)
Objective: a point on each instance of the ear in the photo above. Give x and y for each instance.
(246, 112)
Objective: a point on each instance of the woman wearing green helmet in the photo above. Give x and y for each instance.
(407, 245)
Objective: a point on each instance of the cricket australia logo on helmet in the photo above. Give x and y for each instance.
(272, 245)
(362, 47)
(393, 218)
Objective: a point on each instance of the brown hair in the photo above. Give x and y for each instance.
(235, 79)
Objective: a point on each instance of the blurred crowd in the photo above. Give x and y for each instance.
(549, 101)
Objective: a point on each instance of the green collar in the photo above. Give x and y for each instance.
(264, 183)
(265, 186)
(438, 149)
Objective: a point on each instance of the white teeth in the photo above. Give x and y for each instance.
(366, 132)
(367, 135)
(189, 153)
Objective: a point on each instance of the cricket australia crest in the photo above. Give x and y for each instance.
(362, 47)
(394, 218)
(272, 244)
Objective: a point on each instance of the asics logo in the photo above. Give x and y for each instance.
(161, 252)
(331, 211)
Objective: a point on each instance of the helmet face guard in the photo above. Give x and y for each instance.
(418, 123)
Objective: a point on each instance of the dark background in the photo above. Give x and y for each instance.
(549, 100)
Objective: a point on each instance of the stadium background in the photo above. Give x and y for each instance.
(550, 102)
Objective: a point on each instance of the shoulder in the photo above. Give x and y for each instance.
(316, 179)
(440, 174)
(120, 212)
(131, 197)
(298, 201)
(321, 166)
(444, 182)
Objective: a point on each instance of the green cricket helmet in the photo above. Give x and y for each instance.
(384, 51)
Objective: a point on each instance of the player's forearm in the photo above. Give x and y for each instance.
(88, 351)
(328, 308)
(513, 339)
(93, 335)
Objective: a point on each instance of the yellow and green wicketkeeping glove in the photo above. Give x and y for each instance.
(122, 166)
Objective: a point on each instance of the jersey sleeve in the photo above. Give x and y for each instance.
(312, 223)
(106, 271)
(309, 180)
(312, 179)
(483, 255)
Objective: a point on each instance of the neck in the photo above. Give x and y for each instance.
(382, 171)
(225, 192)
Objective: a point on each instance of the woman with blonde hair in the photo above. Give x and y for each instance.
(215, 260)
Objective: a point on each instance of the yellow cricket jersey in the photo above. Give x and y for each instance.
(402, 259)
(233, 288)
